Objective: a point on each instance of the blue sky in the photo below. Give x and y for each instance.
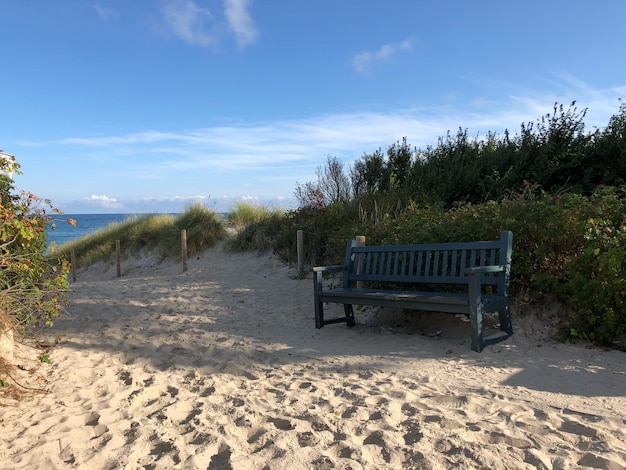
(146, 105)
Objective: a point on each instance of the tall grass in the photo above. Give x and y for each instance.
(244, 214)
(155, 234)
(256, 227)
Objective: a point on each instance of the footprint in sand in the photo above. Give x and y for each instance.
(221, 460)
(282, 424)
(500, 438)
(449, 401)
(132, 433)
(323, 463)
(161, 449)
(125, 377)
(307, 439)
(413, 431)
(377, 438)
(574, 427)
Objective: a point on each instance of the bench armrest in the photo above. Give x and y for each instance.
(319, 269)
(318, 275)
(484, 269)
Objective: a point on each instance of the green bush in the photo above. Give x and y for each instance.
(598, 283)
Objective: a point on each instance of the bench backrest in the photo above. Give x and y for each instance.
(437, 263)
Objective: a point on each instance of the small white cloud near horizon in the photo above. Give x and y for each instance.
(362, 62)
(103, 201)
(199, 26)
(177, 199)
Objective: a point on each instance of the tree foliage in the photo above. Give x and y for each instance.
(555, 154)
(332, 185)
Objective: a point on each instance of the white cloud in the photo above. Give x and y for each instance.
(102, 201)
(275, 150)
(177, 199)
(200, 26)
(240, 21)
(190, 22)
(105, 13)
(362, 62)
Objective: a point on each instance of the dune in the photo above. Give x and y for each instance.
(221, 367)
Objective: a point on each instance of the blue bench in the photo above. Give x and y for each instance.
(482, 268)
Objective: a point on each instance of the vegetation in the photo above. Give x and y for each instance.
(244, 214)
(158, 234)
(561, 191)
(33, 285)
(255, 227)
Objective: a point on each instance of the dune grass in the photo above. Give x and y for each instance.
(158, 234)
(244, 214)
(255, 227)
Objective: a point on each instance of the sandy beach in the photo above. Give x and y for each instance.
(220, 367)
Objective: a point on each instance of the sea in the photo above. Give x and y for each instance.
(60, 231)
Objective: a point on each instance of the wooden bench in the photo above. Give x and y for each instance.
(481, 268)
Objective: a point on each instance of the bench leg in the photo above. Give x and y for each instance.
(476, 329)
(349, 314)
(505, 320)
(319, 314)
(319, 305)
(476, 313)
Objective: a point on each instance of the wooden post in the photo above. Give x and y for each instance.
(300, 247)
(118, 256)
(183, 242)
(360, 241)
(73, 263)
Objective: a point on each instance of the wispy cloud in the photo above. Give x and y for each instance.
(190, 22)
(105, 13)
(201, 26)
(363, 61)
(239, 21)
(256, 144)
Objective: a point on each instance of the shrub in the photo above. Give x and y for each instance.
(33, 286)
(598, 284)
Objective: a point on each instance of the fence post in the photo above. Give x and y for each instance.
(118, 256)
(183, 241)
(360, 241)
(300, 248)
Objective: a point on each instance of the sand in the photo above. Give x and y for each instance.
(221, 367)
